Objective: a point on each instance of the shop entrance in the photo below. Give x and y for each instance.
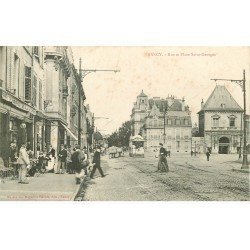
(224, 145)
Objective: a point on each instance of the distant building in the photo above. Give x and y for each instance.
(162, 120)
(220, 122)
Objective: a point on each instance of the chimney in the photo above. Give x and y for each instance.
(202, 104)
(183, 103)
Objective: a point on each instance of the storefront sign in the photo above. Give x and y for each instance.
(19, 104)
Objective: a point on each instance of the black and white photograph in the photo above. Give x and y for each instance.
(125, 123)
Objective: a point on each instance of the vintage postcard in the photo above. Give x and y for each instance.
(124, 123)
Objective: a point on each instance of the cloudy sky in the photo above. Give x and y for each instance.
(159, 71)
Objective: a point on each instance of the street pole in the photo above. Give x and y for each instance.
(82, 74)
(245, 162)
(242, 84)
(164, 124)
(240, 136)
(79, 108)
(164, 128)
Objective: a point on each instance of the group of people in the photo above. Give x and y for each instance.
(67, 161)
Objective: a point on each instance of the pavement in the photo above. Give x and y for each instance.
(45, 187)
(189, 179)
(137, 179)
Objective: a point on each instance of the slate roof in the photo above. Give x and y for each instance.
(160, 103)
(221, 99)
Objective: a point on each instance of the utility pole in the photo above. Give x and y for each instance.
(82, 74)
(242, 84)
(164, 124)
(240, 136)
(79, 108)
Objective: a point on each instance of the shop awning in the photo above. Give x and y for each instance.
(70, 133)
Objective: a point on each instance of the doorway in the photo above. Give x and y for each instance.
(224, 144)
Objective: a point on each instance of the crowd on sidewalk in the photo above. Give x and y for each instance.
(78, 161)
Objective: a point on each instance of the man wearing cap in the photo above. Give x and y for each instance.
(97, 162)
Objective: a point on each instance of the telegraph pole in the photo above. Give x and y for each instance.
(82, 74)
(242, 84)
(164, 124)
(79, 108)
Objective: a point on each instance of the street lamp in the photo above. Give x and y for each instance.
(164, 123)
(242, 84)
(82, 74)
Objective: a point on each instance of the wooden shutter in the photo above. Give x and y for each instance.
(34, 94)
(27, 84)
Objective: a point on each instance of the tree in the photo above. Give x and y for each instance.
(121, 137)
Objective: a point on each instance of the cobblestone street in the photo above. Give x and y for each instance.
(136, 179)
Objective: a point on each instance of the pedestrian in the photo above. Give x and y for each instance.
(62, 159)
(208, 155)
(97, 163)
(52, 157)
(85, 162)
(13, 157)
(163, 159)
(24, 164)
(69, 161)
(192, 152)
(77, 158)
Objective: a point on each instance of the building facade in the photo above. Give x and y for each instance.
(65, 99)
(221, 122)
(41, 99)
(162, 120)
(22, 83)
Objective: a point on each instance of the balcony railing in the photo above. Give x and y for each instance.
(223, 128)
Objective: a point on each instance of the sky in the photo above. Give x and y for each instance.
(159, 71)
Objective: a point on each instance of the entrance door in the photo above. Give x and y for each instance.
(224, 145)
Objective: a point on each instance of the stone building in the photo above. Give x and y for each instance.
(64, 98)
(41, 98)
(162, 120)
(22, 83)
(220, 122)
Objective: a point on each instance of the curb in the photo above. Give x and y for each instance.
(78, 189)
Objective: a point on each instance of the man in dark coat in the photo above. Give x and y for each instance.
(62, 159)
(97, 163)
(77, 159)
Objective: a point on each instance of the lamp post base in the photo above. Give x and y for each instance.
(245, 162)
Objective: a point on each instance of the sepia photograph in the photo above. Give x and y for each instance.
(124, 123)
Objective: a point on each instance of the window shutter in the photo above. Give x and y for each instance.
(27, 84)
(34, 94)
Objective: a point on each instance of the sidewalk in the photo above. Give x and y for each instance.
(45, 187)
